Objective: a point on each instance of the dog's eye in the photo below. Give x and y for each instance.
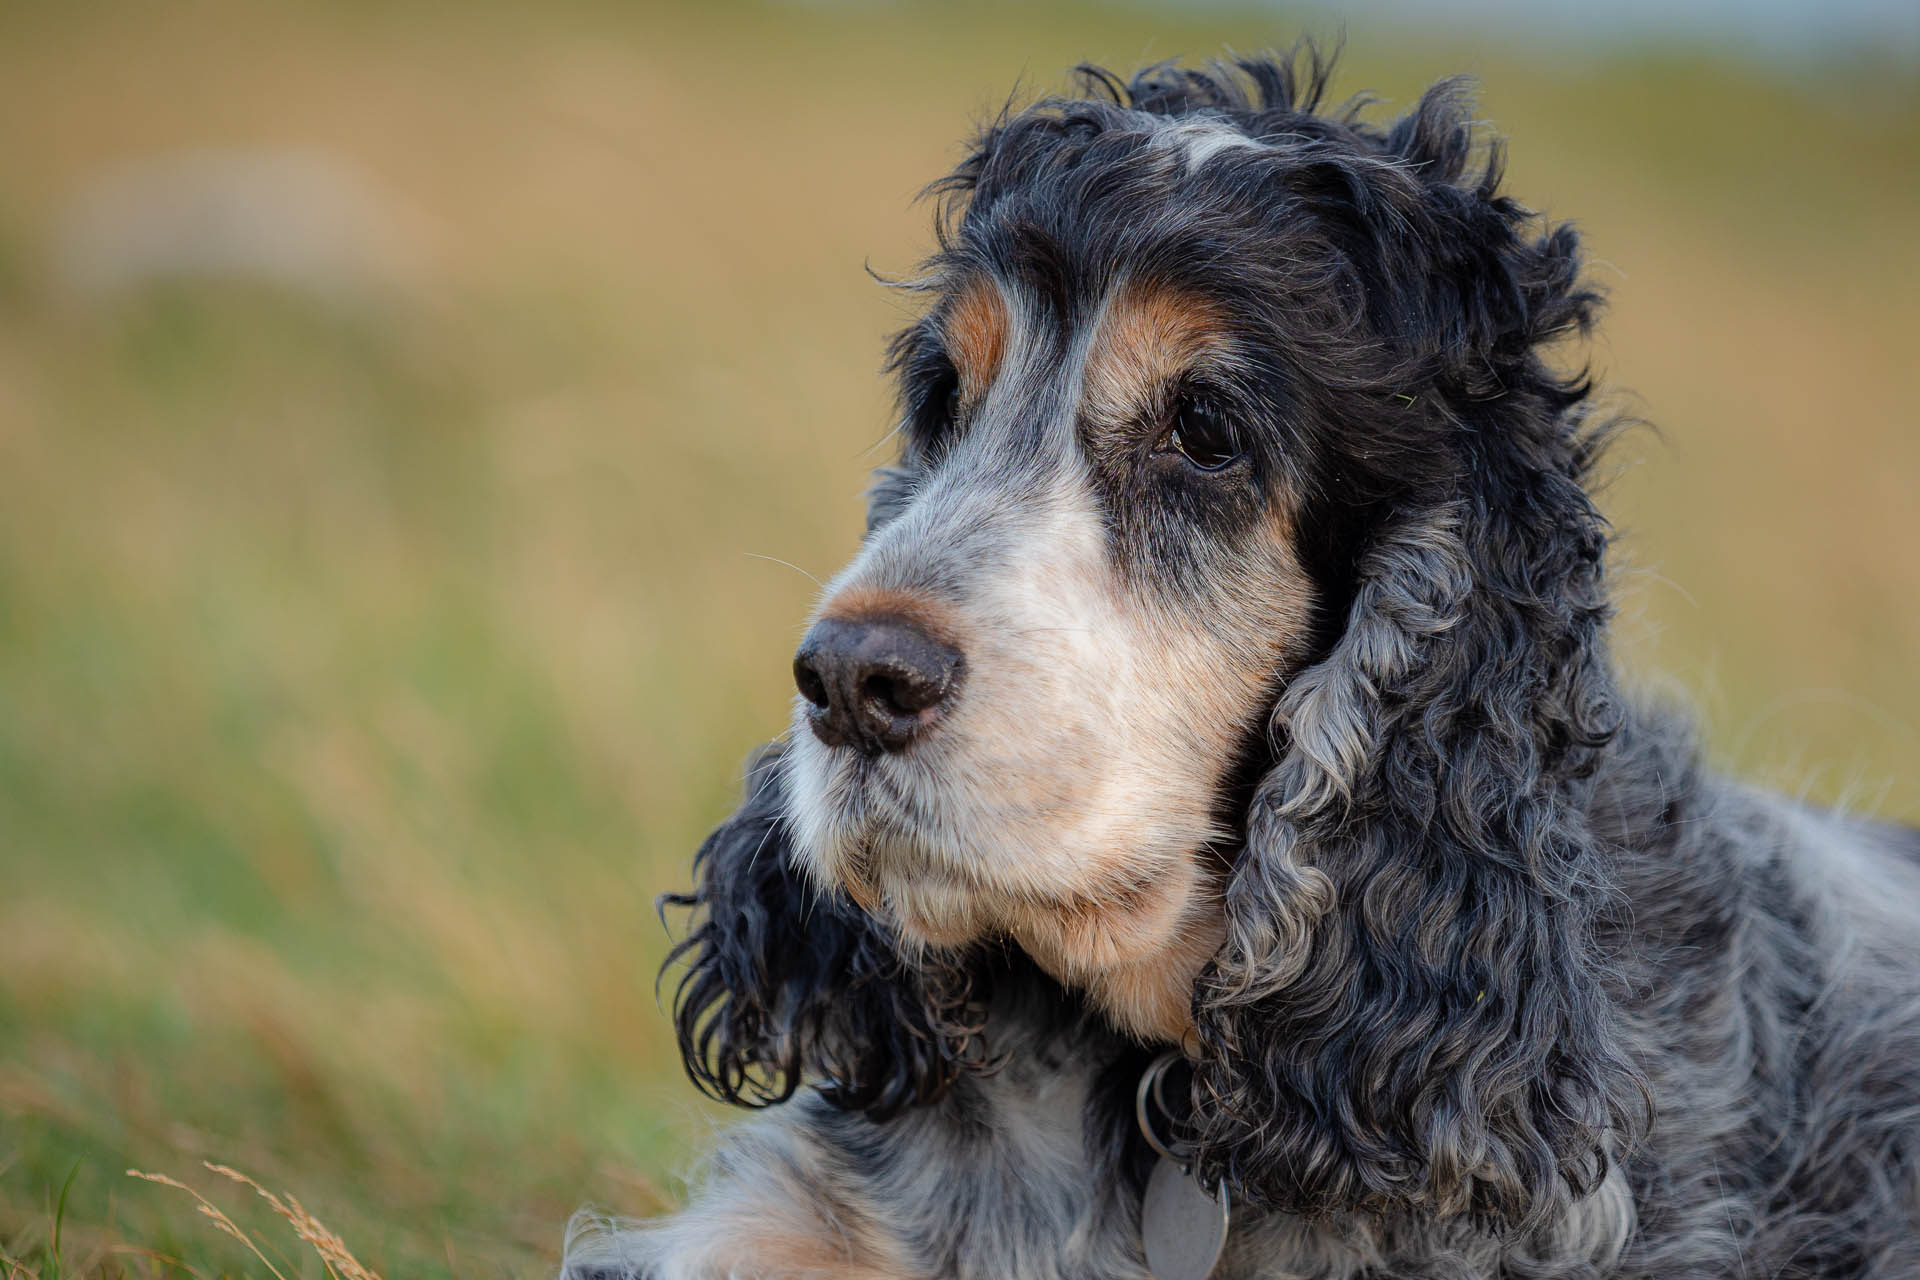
(1202, 434)
(941, 406)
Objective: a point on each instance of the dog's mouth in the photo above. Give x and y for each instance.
(950, 852)
(933, 815)
(947, 852)
(851, 810)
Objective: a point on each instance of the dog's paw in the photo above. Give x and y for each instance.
(607, 1271)
(601, 1247)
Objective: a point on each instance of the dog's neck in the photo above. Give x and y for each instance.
(1150, 999)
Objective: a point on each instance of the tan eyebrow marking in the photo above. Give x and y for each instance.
(976, 330)
(1149, 336)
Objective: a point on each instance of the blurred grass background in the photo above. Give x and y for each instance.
(375, 642)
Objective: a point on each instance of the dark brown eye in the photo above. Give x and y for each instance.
(939, 406)
(1201, 434)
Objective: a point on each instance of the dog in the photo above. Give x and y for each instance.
(1212, 838)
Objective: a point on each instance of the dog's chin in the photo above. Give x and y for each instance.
(853, 835)
(1132, 931)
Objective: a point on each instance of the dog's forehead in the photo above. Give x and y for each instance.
(1183, 198)
(1142, 333)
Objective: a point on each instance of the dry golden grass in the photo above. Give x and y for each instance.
(368, 669)
(333, 1253)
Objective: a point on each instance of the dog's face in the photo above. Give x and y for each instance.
(1029, 699)
(1231, 636)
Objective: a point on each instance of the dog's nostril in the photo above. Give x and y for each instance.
(902, 694)
(871, 683)
(880, 689)
(811, 686)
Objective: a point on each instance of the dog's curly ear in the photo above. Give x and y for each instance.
(787, 985)
(1488, 292)
(1410, 1010)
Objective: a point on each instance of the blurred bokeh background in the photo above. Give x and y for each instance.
(405, 410)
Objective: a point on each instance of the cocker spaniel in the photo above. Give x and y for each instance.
(1212, 838)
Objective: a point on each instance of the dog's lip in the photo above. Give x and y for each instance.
(849, 788)
(859, 768)
(852, 767)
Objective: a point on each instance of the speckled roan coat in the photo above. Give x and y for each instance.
(1510, 986)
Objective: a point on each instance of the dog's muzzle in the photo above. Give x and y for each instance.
(874, 684)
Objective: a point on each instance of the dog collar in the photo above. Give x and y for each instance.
(1183, 1226)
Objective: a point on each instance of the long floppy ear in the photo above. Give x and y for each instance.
(1410, 1011)
(786, 985)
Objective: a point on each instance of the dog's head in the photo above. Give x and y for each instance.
(1229, 637)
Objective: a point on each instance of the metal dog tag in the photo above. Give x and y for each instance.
(1182, 1226)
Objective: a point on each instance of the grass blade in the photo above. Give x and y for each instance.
(60, 1216)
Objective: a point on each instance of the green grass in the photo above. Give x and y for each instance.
(366, 670)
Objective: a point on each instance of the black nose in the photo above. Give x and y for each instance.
(873, 683)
